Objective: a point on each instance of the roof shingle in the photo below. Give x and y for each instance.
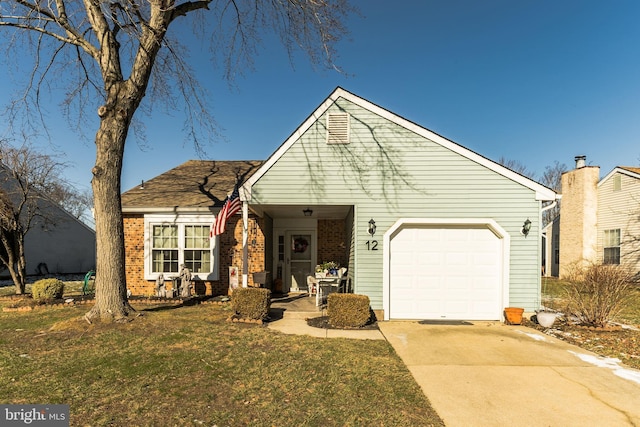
(195, 183)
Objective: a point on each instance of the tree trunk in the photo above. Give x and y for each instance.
(22, 262)
(16, 269)
(122, 100)
(111, 286)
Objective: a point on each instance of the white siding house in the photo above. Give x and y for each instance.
(57, 242)
(599, 218)
(448, 240)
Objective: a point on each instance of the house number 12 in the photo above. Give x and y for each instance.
(372, 245)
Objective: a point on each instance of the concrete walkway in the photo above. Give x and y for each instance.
(489, 374)
(290, 316)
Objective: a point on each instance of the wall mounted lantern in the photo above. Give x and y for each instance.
(526, 227)
(307, 212)
(372, 227)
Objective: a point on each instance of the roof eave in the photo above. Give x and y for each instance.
(169, 209)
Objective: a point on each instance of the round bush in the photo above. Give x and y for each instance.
(47, 289)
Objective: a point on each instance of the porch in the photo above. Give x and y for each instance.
(298, 238)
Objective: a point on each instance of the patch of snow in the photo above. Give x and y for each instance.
(403, 339)
(628, 374)
(612, 363)
(534, 336)
(602, 362)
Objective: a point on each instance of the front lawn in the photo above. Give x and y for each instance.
(189, 366)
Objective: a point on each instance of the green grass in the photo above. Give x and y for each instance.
(188, 366)
(71, 288)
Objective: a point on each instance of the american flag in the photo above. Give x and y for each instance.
(230, 207)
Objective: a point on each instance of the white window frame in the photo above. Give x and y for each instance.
(608, 242)
(179, 220)
(617, 182)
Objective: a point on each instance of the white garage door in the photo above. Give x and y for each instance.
(445, 273)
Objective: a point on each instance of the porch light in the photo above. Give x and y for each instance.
(372, 227)
(307, 212)
(526, 227)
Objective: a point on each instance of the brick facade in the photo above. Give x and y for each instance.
(134, 255)
(332, 245)
(230, 253)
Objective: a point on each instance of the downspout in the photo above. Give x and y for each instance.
(551, 206)
(245, 248)
(542, 211)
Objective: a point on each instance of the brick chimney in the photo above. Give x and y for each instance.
(578, 215)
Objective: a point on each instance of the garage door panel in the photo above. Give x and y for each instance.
(456, 259)
(445, 273)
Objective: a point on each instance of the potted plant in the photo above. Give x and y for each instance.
(546, 317)
(328, 268)
(513, 315)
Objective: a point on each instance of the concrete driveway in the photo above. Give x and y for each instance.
(490, 374)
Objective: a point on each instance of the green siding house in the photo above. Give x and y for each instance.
(426, 228)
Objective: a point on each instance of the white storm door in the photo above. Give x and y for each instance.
(300, 259)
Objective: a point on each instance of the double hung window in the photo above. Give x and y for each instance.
(171, 241)
(165, 248)
(612, 246)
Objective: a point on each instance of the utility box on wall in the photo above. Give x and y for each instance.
(262, 279)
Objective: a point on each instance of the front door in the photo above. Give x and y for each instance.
(300, 259)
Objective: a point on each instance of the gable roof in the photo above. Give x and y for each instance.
(542, 192)
(193, 185)
(633, 172)
(9, 182)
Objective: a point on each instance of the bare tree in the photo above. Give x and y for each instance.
(78, 203)
(25, 179)
(111, 51)
(516, 166)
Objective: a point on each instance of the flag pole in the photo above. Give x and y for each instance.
(245, 240)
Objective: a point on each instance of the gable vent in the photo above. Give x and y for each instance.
(338, 128)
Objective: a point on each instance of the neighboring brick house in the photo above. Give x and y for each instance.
(599, 218)
(178, 207)
(185, 200)
(427, 228)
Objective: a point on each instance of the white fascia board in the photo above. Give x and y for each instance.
(542, 193)
(245, 191)
(165, 210)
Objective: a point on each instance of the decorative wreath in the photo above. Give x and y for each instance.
(300, 245)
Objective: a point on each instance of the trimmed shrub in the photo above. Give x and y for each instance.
(47, 289)
(251, 303)
(598, 292)
(348, 310)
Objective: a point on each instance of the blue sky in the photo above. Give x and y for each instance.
(532, 81)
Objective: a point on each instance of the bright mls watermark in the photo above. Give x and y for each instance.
(34, 415)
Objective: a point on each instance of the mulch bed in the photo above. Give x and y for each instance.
(323, 323)
(612, 341)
